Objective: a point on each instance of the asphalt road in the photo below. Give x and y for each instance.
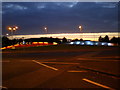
(61, 69)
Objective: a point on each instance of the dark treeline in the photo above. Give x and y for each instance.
(7, 42)
(77, 40)
(112, 40)
(44, 39)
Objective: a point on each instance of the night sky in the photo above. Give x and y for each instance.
(60, 17)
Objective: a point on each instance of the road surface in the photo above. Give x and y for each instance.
(61, 69)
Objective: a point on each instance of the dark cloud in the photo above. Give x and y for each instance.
(59, 17)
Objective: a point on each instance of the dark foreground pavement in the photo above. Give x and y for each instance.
(79, 69)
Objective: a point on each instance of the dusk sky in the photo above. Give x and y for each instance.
(60, 17)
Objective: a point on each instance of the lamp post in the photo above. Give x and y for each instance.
(80, 28)
(12, 29)
(46, 29)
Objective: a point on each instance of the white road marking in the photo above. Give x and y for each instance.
(76, 71)
(43, 60)
(97, 84)
(59, 62)
(4, 61)
(45, 65)
(3, 87)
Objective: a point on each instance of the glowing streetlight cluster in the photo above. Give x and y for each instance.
(12, 28)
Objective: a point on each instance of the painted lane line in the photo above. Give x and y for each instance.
(76, 71)
(3, 87)
(59, 62)
(45, 65)
(4, 61)
(103, 86)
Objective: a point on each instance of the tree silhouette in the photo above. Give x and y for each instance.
(6, 41)
(106, 38)
(64, 40)
(76, 39)
(115, 40)
(100, 39)
(81, 39)
(57, 40)
(20, 40)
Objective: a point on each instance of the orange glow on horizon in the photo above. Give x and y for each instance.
(85, 36)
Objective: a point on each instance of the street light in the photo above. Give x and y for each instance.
(46, 29)
(7, 34)
(80, 27)
(12, 29)
(9, 28)
(16, 27)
